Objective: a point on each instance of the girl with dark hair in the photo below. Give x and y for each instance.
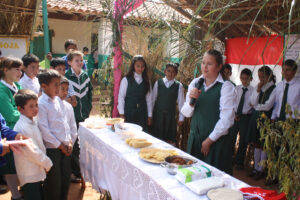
(134, 101)
(212, 114)
(262, 99)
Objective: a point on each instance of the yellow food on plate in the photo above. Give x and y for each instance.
(112, 121)
(138, 142)
(156, 155)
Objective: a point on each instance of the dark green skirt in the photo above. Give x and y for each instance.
(253, 133)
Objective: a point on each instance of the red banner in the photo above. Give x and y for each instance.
(257, 51)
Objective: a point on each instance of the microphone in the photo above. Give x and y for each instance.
(200, 83)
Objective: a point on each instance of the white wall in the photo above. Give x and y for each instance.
(80, 31)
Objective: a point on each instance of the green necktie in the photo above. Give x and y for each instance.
(241, 104)
(283, 104)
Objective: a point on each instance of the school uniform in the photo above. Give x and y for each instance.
(55, 130)
(10, 113)
(31, 164)
(263, 102)
(134, 102)
(212, 116)
(286, 93)
(31, 84)
(166, 93)
(243, 110)
(83, 91)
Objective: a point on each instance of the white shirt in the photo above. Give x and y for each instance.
(70, 118)
(180, 97)
(268, 104)
(52, 122)
(33, 162)
(293, 96)
(227, 105)
(31, 84)
(11, 87)
(247, 102)
(122, 94)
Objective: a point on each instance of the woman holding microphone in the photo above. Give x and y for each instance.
(210, 103)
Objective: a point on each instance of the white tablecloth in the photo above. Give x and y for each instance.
(108, 163)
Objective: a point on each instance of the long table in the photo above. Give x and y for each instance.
(109, 163)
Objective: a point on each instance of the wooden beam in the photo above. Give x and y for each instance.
(247, 21)
(73, 17)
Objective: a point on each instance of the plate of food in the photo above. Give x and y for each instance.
(156, 155)
(138, 142)
(113, 121)
(180, 160)
(126, 126)
(94, 123)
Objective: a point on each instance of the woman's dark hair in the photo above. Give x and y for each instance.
(144, 74)
(217, 54)
(267, 71)
(9, 63)
(291, 63)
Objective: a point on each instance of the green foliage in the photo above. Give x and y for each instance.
(282, 144)
(105, 90)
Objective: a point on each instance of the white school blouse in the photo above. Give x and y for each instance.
(293, 96)
(227, 105)
(52, 122)
(32, 163)
(247, 108)
(31, 84)
(268, 104)
(122, 94)
(180, 96)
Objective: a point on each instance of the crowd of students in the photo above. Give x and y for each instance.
(46, 106)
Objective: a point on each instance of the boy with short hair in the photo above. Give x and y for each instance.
(243, 112)
(166, 93)
(82, 85)
(59, 65)
(287, 92)
(31, 70)
(56, 136)
(71, 45)
(32, 162)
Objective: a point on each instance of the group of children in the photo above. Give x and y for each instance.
(155, 108)
(62, 97)
(44, 106)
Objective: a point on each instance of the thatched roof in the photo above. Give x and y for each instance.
(235, 18)
(17, 17)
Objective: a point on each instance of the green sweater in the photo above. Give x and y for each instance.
(8, 107)
(83, 91)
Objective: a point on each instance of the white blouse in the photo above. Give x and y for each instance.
(268, 104)
(293, 96)
(180, 97)
(227, 105)
(122, 94)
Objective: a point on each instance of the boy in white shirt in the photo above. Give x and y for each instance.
(56, 135)
(32, 163)
(67, 107)
(287, 92)
(243, 112)
(31, 70)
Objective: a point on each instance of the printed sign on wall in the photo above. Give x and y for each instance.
(13, 46)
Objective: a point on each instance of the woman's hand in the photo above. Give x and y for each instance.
(259, 86)
(149, 122)
(180, 123)
(122, 116)
(195, 93)
(206, 146)
(19, 136)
